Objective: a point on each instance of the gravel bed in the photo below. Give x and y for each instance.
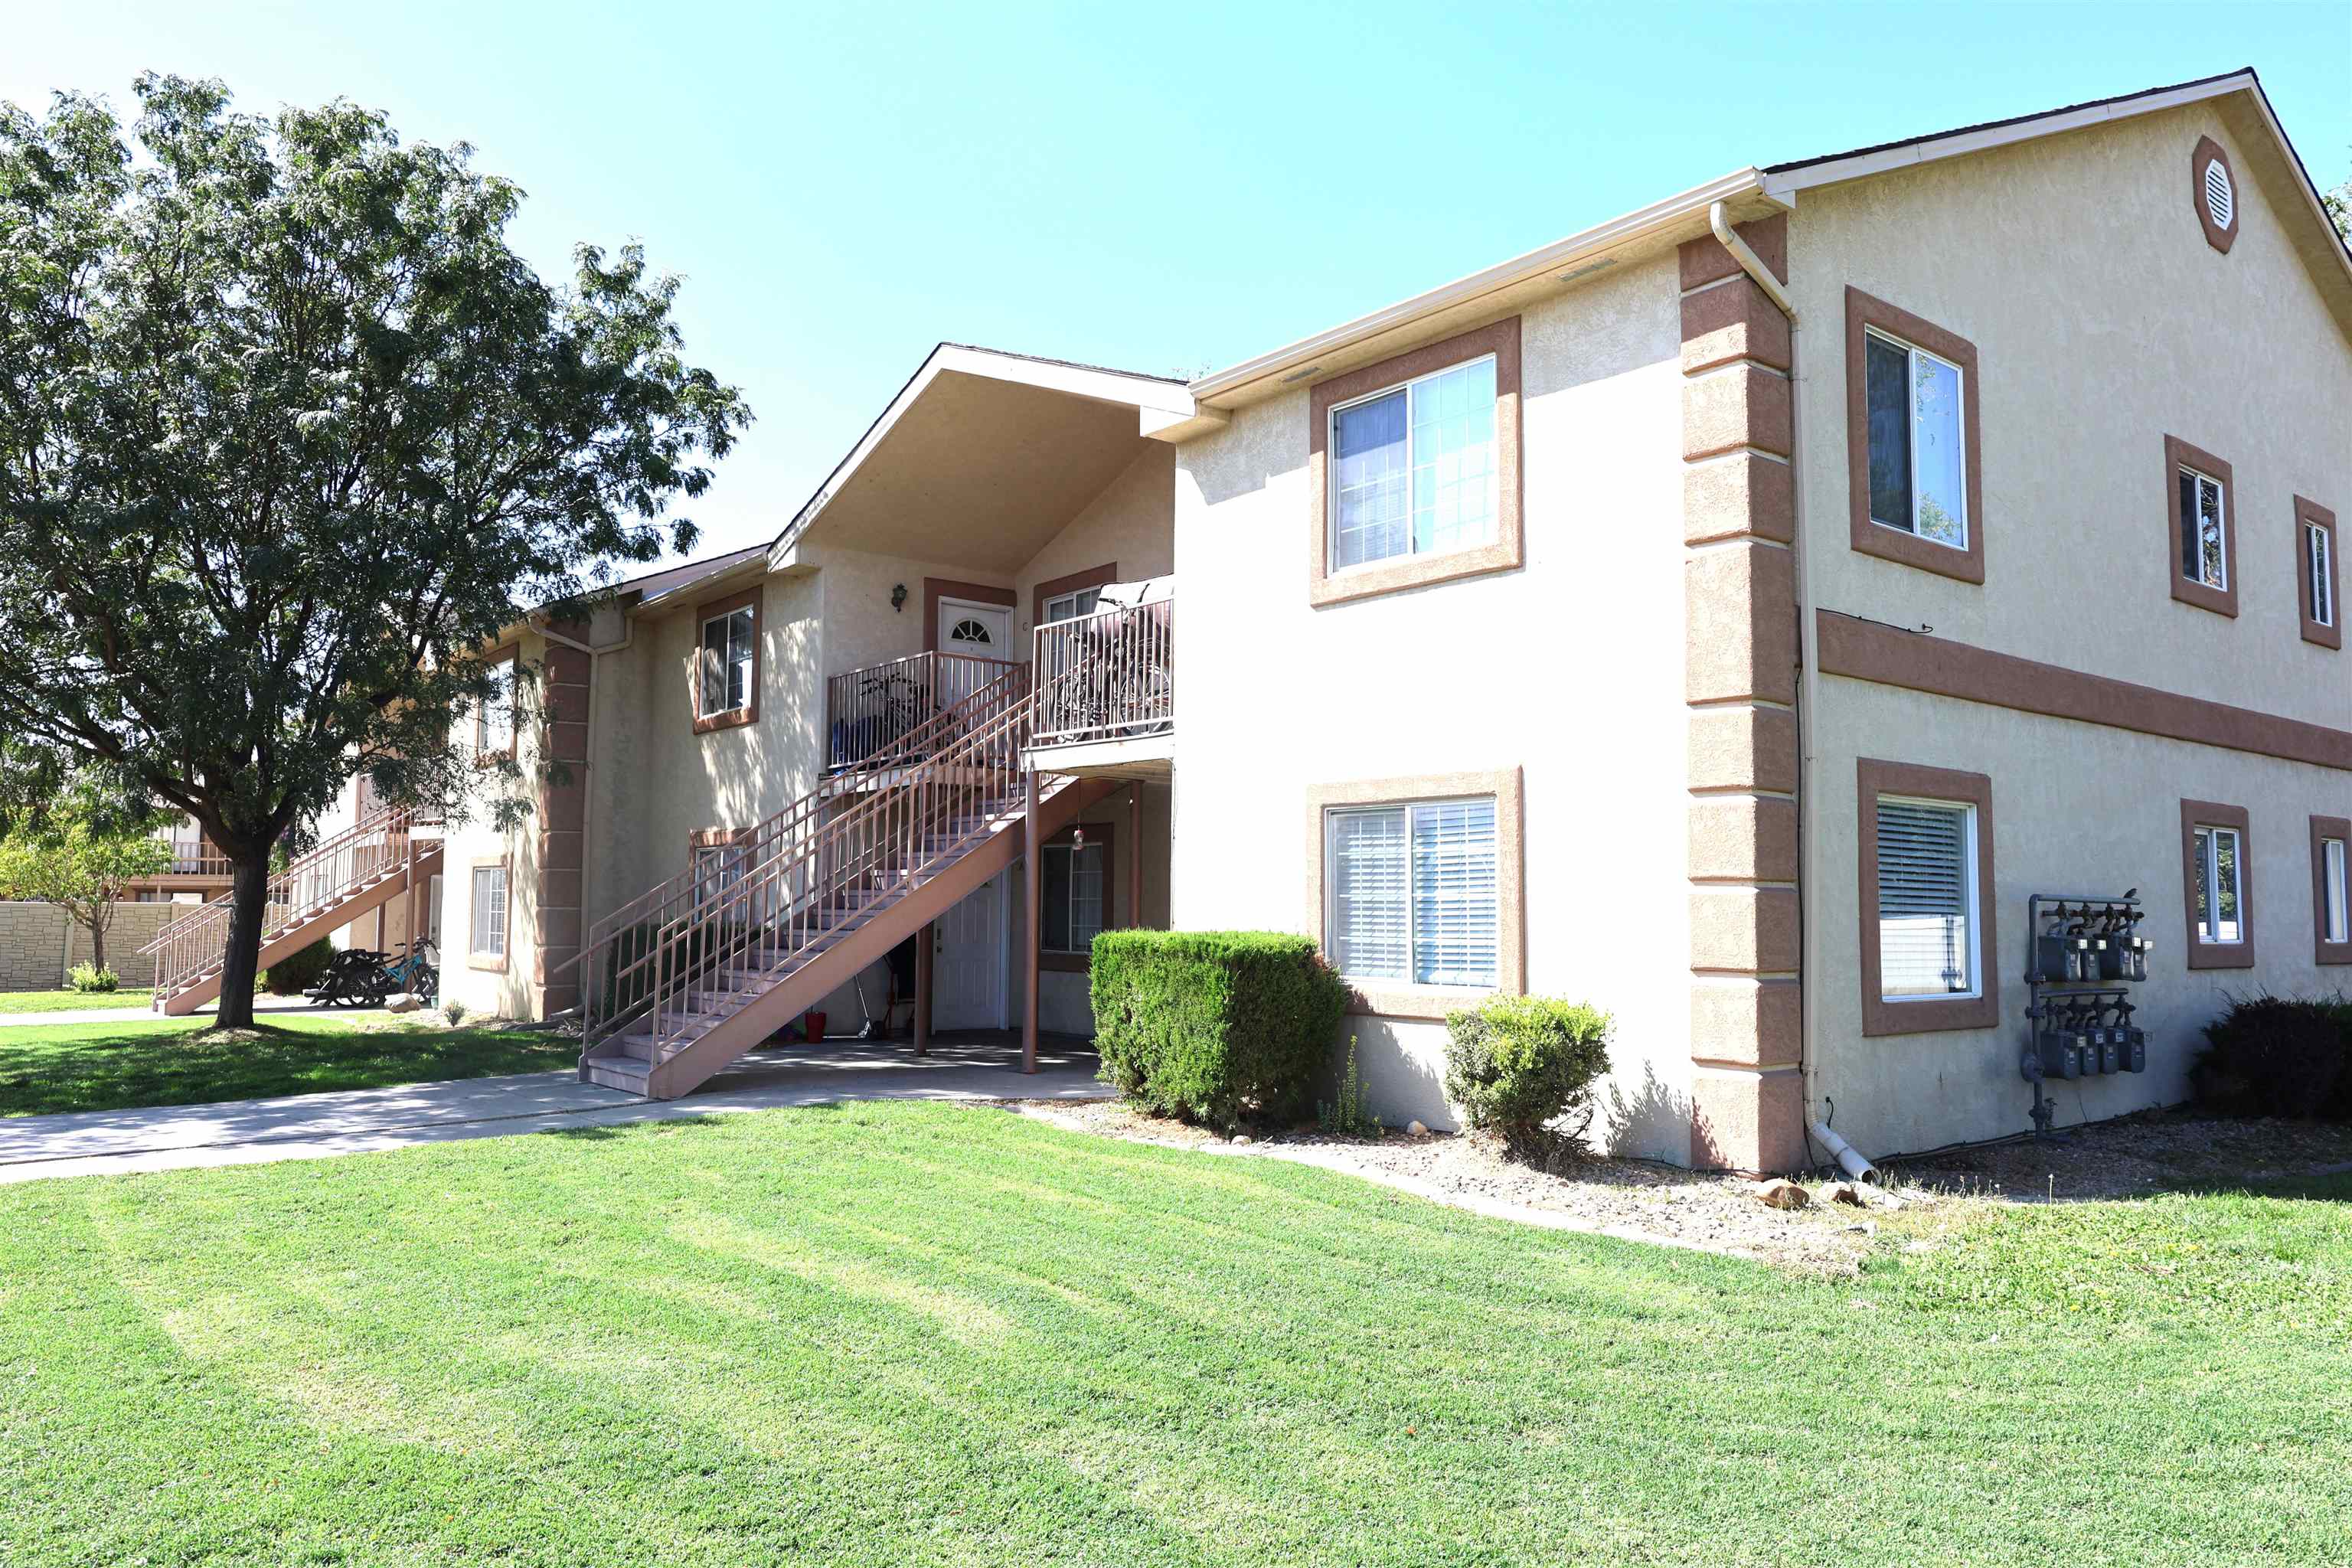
(1646, 1201)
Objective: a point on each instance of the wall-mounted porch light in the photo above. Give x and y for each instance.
(898, 595)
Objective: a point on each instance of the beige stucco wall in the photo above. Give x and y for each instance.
(2102, 321)
(1128, 525)
(465, 844)
(1570, 668)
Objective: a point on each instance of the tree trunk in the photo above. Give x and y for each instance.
(97, 921)
(249, 889)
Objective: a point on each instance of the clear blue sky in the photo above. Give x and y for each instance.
(1159, 188)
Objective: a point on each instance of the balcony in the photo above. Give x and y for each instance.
(1106, 690)
(869, 711)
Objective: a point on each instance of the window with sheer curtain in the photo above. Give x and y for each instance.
(1414, 468)
(1414, 892)
(489, 913)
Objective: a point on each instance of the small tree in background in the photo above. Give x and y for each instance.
(289, 435)
(82, 866)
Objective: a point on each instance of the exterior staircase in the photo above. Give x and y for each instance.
(688, 978)
(367, 865)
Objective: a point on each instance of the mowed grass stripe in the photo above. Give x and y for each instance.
(912, 1334)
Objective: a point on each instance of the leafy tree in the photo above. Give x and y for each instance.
(83, 865)
(287, 436)
(2339, 207)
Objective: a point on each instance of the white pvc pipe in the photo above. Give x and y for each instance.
(1848, 1157)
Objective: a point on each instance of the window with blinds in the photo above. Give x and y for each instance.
(490, 918)
(1926, 899)
(1413, 893)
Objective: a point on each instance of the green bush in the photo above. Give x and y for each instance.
(88, 977)
(1515, 1064)
(1214, 1027)
(297, 973)
(2277, 1055)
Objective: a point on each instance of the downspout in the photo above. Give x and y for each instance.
(1808, 689)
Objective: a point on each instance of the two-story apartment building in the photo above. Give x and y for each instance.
(1732, 614)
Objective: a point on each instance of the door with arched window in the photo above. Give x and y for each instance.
(979, 631)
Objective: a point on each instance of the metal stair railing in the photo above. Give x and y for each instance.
(617, 962)
(195, 947)
(780, 912)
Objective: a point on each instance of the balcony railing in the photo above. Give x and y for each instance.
(1108, 676)
(204, 860)
(872, 714)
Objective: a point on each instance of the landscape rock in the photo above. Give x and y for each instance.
(1416, 1129)
(403, 1002)
(1241, 1136)
(1780, 1194)
(1846, 1192)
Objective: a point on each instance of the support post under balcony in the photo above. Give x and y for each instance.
(923, 941)
(1135, 856)
(1031, 880)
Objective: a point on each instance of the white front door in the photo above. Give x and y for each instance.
(968, 961)
(982, 631)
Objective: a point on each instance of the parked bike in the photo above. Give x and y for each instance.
(362, 977)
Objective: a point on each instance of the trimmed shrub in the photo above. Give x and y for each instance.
(1215, 1026)
(88, 977)
(2275, 1056)
(1515, 1064)
(297, 973)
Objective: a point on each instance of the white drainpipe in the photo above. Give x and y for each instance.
(1809, 686)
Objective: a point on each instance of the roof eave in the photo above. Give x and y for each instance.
(1643, 223)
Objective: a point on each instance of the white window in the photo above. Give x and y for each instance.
(2319, 569)
(433, 910)
(2333, 921)
(1071, 904)
(717, 868)
(2220, 917)
(1414, 469)
(1413, 893)
(727, 645)
(1070, 606)
(494, 721)
(2203, 558)
(488, 938)
(1926, 900)
(1918, 462)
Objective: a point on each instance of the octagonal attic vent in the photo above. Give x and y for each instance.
(2220, 201)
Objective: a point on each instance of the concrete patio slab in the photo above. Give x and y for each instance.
(355, 1121)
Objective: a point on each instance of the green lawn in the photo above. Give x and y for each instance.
(179, 1061)
(66, 1001)
(896, 1335)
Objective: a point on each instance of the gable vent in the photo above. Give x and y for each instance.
(2221, 198)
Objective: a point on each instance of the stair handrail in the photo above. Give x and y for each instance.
(856, 862)
(670, 905)
(190, 949)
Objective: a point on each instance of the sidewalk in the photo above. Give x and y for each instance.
(314, 1126)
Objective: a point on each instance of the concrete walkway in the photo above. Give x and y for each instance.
(313, 1126)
